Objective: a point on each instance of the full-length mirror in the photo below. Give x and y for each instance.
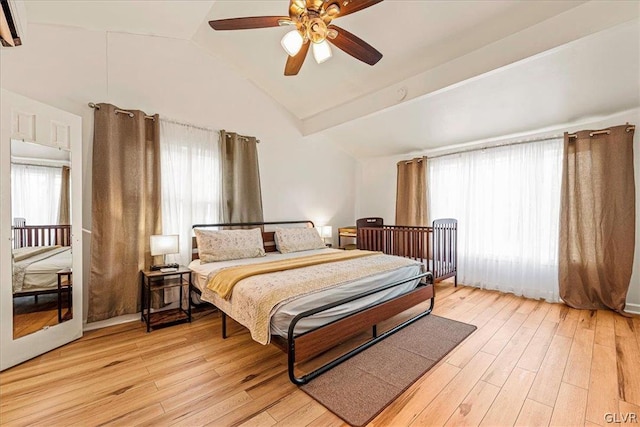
(41, 246)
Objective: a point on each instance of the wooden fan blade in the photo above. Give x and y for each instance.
(355, 46)
(294, 63)
(248, 23)
(352, 6)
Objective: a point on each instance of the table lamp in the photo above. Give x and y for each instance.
(164, 244)
(326, 232)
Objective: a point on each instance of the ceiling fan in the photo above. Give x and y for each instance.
(313, 22)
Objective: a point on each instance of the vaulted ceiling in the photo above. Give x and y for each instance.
(426, 90)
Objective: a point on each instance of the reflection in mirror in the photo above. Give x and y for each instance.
(40, 207)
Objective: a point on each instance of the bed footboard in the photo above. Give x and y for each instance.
(311, 343)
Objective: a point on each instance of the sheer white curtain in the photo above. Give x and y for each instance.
(507, 201)
(35, 193)
(190, 171)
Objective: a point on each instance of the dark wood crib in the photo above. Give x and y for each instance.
(435, 246)
(41, 235)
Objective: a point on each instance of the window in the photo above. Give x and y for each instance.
(35, 193)
(507, 202)
(190, 174)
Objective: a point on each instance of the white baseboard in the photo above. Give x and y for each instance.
(111, 322)
(632, 308)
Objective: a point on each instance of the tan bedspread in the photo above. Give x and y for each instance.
(223, 281)
(254, 298)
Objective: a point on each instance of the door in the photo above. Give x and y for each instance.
(41, 228)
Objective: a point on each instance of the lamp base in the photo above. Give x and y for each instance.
(161, 266)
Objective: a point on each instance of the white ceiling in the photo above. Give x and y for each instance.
(425, 92)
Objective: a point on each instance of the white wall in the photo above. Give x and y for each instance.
(376, 183)
(69, 67)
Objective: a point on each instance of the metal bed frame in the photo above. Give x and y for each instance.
(306, 345)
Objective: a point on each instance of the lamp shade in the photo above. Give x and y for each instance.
(292, 42)
(321, 51)
(326, 231)
(163, 244)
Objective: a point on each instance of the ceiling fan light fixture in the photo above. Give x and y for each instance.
(292, 42)
(321, 51)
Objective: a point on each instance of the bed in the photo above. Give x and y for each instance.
(40, 253)
(347, 293)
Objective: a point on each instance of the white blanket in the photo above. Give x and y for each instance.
(39, 271)
(396, 268)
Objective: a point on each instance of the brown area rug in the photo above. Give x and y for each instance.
(360, 388)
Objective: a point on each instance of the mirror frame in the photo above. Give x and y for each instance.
(41, 120)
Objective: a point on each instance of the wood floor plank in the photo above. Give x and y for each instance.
(406, 408)
(503, 365)
(547, 382)
(533, 355)
(628, 361)
(506, 407)
(491, 299)
(137, 417)
(555, 312)
(623, 326)
(504, 304)
(636, 328)
(579, 362)
(568, 322)
(474, 407)
(462, 354)
(303, 416)
(605, 332)
(443, 406)
(289, 404)
(569, 408)
(534, 414)
(502, 336)
(327, 419)
(602, 395)
(537, 316)
(587, 319)
(263, 419)
(206, 413)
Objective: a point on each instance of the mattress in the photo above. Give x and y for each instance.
(42, 274)
(285, 312)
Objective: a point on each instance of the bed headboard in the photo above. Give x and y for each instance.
(267, 231)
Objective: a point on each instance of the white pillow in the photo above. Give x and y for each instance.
(297, 239)
(221, 245)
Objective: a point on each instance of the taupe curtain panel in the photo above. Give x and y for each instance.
(411, 192)
(126, 208)
(597, 219)
(64, 214)
(241, 193)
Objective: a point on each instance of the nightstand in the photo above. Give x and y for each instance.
(157, 280)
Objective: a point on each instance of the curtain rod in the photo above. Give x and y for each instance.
(246, 138)
(603, 131)
(175, 122)
(525, 141)
(24, 163)
(129, 113)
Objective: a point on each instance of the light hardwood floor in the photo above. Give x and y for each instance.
(528, 363)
